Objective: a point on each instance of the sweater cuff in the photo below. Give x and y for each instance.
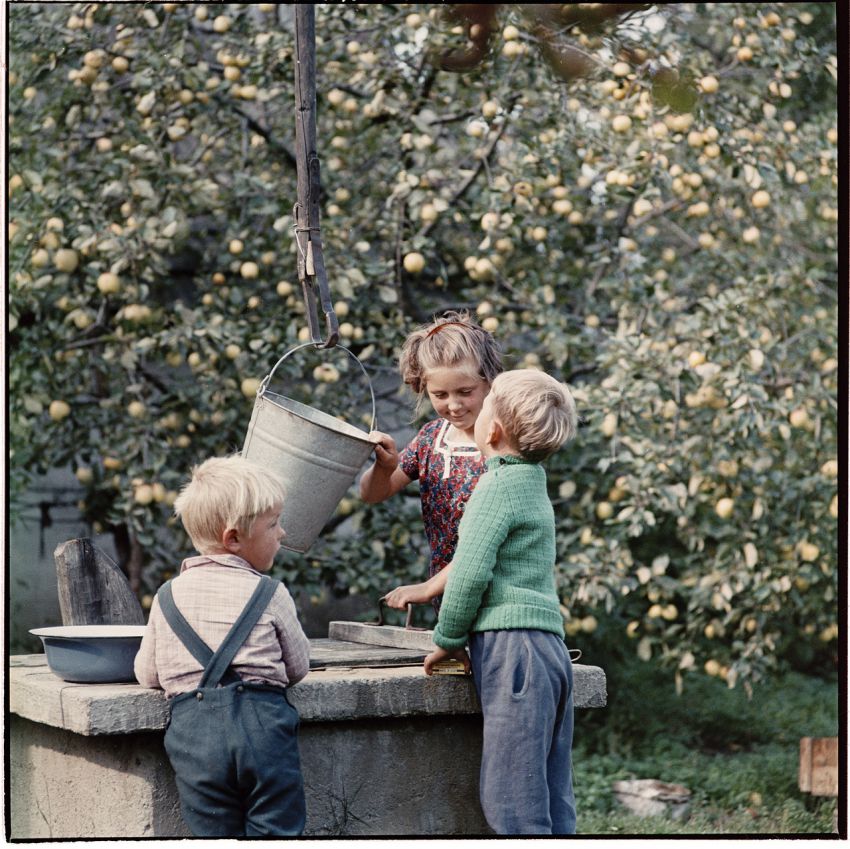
(448, 643)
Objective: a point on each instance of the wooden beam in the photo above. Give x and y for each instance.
(328, 653)
(310, 260)
(393, 636)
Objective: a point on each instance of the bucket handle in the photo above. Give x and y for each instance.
(262, 390)
(408, 626)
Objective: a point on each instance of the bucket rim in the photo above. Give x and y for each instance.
(361, 435)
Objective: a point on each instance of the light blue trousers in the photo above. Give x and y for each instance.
(524, 680)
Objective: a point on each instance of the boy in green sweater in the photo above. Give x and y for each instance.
(500, 598)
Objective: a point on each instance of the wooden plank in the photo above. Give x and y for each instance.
(328, 653)
(819, 766)
(92, 589)
(381, 635)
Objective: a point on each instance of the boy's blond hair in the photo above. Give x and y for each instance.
(225, 492)
(453, 340)
(537, 412)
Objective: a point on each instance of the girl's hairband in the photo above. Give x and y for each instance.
(439, 327)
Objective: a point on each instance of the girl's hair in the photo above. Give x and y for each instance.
(451, 340)
(225, 492)
(537, 412)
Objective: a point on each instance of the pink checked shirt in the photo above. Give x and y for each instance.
(211, 591)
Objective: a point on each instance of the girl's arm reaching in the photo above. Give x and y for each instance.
(400, 597)
(384, 479)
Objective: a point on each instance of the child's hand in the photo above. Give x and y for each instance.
(386, 452)
(400, 597)
(439, 655)
(422, 593)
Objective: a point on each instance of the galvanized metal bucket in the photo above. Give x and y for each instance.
(315, 455)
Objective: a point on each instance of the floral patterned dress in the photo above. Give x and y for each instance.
(447, 473)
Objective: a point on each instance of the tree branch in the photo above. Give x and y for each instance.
(464, 187)
(258, 128)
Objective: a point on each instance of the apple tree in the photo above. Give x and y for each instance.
(640, 200)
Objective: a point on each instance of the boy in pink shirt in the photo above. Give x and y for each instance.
(224, 642)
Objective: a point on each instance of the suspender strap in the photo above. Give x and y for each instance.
(184, 631)
(223, 657)
(231, 643)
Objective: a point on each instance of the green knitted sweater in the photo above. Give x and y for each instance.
(502, 571)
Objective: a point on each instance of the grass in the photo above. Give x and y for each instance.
(739, 757)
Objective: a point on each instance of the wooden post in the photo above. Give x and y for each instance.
(310, 260)
(819, 766)
(92, 589)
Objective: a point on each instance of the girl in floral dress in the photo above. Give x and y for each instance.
(452, 360)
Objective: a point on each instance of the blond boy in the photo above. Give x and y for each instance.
(224, 642)
(500, 598)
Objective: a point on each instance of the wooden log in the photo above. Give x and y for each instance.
(819, 766)
(92, 589)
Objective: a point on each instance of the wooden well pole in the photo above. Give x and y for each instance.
(311, 263)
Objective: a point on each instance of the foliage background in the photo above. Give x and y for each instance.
(659, 232)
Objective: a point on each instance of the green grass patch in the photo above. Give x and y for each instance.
(738, 756)
(790, 818)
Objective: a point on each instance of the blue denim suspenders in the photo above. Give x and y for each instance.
(217, 664)
(233, 746)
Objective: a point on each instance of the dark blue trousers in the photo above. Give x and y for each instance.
(524, 680)
(233, 747)
(234, 750)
